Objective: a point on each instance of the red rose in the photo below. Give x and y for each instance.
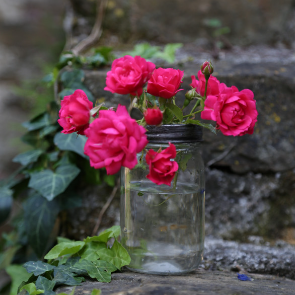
(153, 116)
(162, 170)
(114, 139)
(234, 112)
(75, 112)
(212, 87)
(165, 82)
(128, 75)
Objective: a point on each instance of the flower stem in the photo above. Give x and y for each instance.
(175, 180)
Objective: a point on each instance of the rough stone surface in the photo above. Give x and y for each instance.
(266, 21)
(199, 282)
(254, 258)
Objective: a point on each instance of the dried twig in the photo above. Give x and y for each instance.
(221, 156)
(105, 207)
(96, 30)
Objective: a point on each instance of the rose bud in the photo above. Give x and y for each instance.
(189, 96)
(207, 69)
(153, 116)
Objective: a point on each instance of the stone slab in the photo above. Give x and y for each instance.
(199, 282)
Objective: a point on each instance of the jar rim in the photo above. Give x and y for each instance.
(178, 133)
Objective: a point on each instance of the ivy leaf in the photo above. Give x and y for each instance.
(46, 285)
(69, 200)
(183, 162)
(37, 267)
(175, 110)
(31, 289)
(145, 50)
(62, 277)
(70, 77)
(71, 142)
(39, 219)
(50, 184)
(38, 122)
(70, 266)
(5, 203)
(64, 248)
(100, 270)
(205, 125)
(18, 274)
(53, 156)
(104, 236)
(117, 255)
(89, 252)
(27, 157)
(32, 279)
(48, 129)
(62, 240)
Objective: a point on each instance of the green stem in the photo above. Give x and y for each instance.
(206, 85)
(175, 180)
(192, 114)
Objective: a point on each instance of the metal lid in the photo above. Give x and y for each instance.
(174, 133)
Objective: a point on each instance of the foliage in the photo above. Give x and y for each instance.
(148, 51)
(68, 265)
(49, 179)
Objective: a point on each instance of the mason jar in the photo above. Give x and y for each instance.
(162, 227)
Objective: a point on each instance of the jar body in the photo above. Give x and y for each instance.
(162, 227)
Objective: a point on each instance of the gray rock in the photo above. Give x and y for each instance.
(199, 282)
(187, 20)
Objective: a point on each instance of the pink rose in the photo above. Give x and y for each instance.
(114, 139)
(153, 116)
(128, 75)
(162, 170)
(165, 82)
(234, 112)
(75, 112)
(212, 87)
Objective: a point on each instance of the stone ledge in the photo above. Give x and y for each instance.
(199, 282)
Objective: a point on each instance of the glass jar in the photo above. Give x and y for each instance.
(162, 227)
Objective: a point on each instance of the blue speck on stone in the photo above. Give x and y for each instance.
(243, 277)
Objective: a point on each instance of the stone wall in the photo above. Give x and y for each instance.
(250, 22)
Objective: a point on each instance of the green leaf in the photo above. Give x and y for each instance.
(62, 240)
(104, 236)
(145, 50)
(221, 31)
(168, 116)
(91, 249)
(69, 200)
(175, 110)
(64, 248)
(6, 256)
(27, 157)
(63, 277)
(96, 60)
(18, 274)
(96, 292)
(46, 285)
(169, 52)
(37, 267)
(70, 266)
(71, 142)
(162, 103)
(47, 130)
(39, 219)
(53, 156)
(70, 77)
(205, 125)
(50, 184)
(31, 288)
(212, 22)
(32, 279)
(109, 179)
(117, 255)
(100, 270)
(5, 203)
(183, 162)
(72, 293)
(38, 122)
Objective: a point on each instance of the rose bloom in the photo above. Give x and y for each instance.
(75, 112)
(128, 75)
(162, 170)
(114, 139)
(153, 116)
(234, 111)
(199, 85)
(165, 82)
